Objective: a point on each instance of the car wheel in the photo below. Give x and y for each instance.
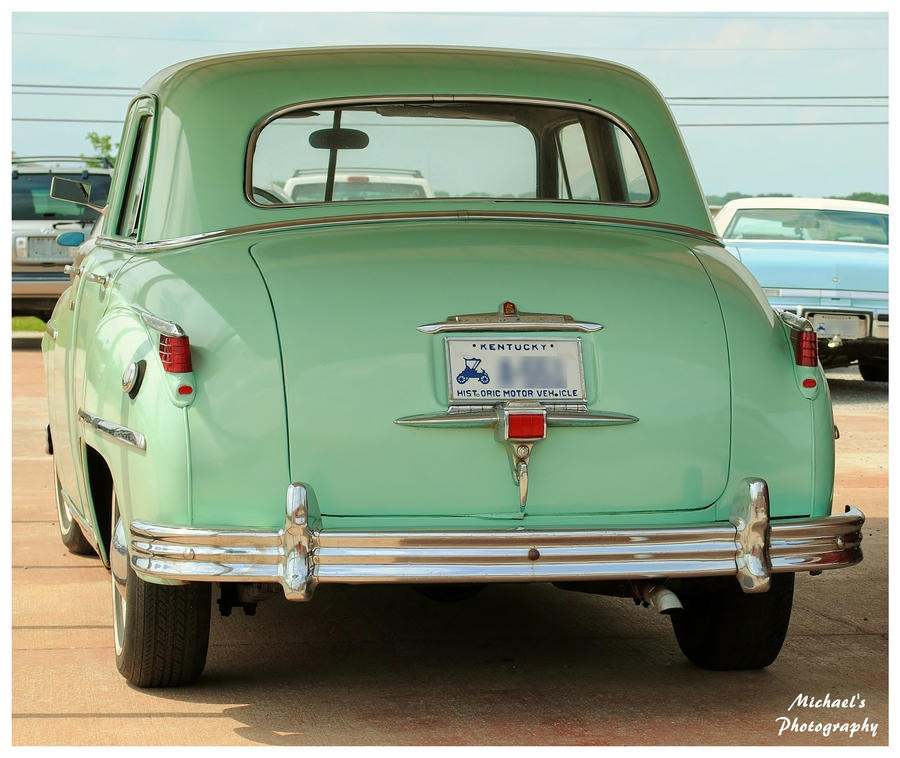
(874, 372)
(161, 631)
(448, 593)
(69, 530)
(726, 629)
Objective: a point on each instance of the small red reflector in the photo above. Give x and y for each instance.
(175, 354)
(526, 425)
(509, 308)
(357, 178)
(809, 383)
(185, 389)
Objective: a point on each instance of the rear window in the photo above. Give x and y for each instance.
(31, 199)
(421, 150)
(808, 224)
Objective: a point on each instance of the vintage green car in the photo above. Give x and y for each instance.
(545, 369)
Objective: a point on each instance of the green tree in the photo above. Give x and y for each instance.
(104, 150)
(866, 197)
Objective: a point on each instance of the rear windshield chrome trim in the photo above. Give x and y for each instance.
(173, 243)
(383, 99)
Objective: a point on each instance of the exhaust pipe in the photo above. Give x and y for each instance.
(660, 598)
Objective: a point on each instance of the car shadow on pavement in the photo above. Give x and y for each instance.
(515, 665)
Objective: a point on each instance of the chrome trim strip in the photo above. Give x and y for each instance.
(51, 331)
(86, 527)
(272, 226)
(157, 324)
(794, 321)
(653, 185)
(484, 418)
(114, 431)
(491, 322)
(298, 557)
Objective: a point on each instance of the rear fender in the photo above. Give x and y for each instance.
(142, 439)
(781, 432)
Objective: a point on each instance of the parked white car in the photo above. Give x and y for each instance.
(351, 184)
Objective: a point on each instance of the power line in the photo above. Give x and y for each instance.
(76, 94)
(75, 86)
(775, 105)
(746, 123)
(797, 123)
(779, 97)
(669, 98)
(71, 120)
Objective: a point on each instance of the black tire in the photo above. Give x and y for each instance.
(161, 631)
(874, 372)
(448, 593)
(69, 531)
(725, 629)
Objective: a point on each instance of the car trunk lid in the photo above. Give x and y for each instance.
(349, 299)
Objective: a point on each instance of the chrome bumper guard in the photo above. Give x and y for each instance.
(751, 548)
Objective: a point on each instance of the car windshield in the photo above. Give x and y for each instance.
(31, 199)
(808, 224)
(424, 150)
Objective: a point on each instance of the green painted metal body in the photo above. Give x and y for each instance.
(304, 341)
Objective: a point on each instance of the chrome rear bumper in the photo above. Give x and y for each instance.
(750, 548)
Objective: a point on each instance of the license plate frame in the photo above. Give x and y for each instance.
(44, 249)
(487, 371)
(844, 325)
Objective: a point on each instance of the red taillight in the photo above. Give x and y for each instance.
(809, 383)
(527, 426)
(806, 348)
(175, 354)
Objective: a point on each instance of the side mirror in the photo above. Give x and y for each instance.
(70, 239)
(338, 139)
(72, 192)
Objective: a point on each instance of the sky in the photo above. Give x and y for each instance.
(792, 102)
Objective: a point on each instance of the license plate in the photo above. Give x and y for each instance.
(836, 325)
(499, 370)
(46, 249)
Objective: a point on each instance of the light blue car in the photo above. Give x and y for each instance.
(825, 260)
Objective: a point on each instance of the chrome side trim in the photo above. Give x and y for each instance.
(486, 418)
(299, 558)
(114, 431)
(368, 218)
(157, 324)
(51, 331)
(86, 527)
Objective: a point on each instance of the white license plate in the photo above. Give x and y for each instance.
(548, 370)
(46, 249)
(835, 325)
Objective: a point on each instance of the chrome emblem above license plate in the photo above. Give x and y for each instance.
(488, 371)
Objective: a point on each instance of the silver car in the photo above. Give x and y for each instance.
(38, 261)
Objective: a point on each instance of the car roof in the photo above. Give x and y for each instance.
(724, 217)
(806, 203)
(240, 92)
